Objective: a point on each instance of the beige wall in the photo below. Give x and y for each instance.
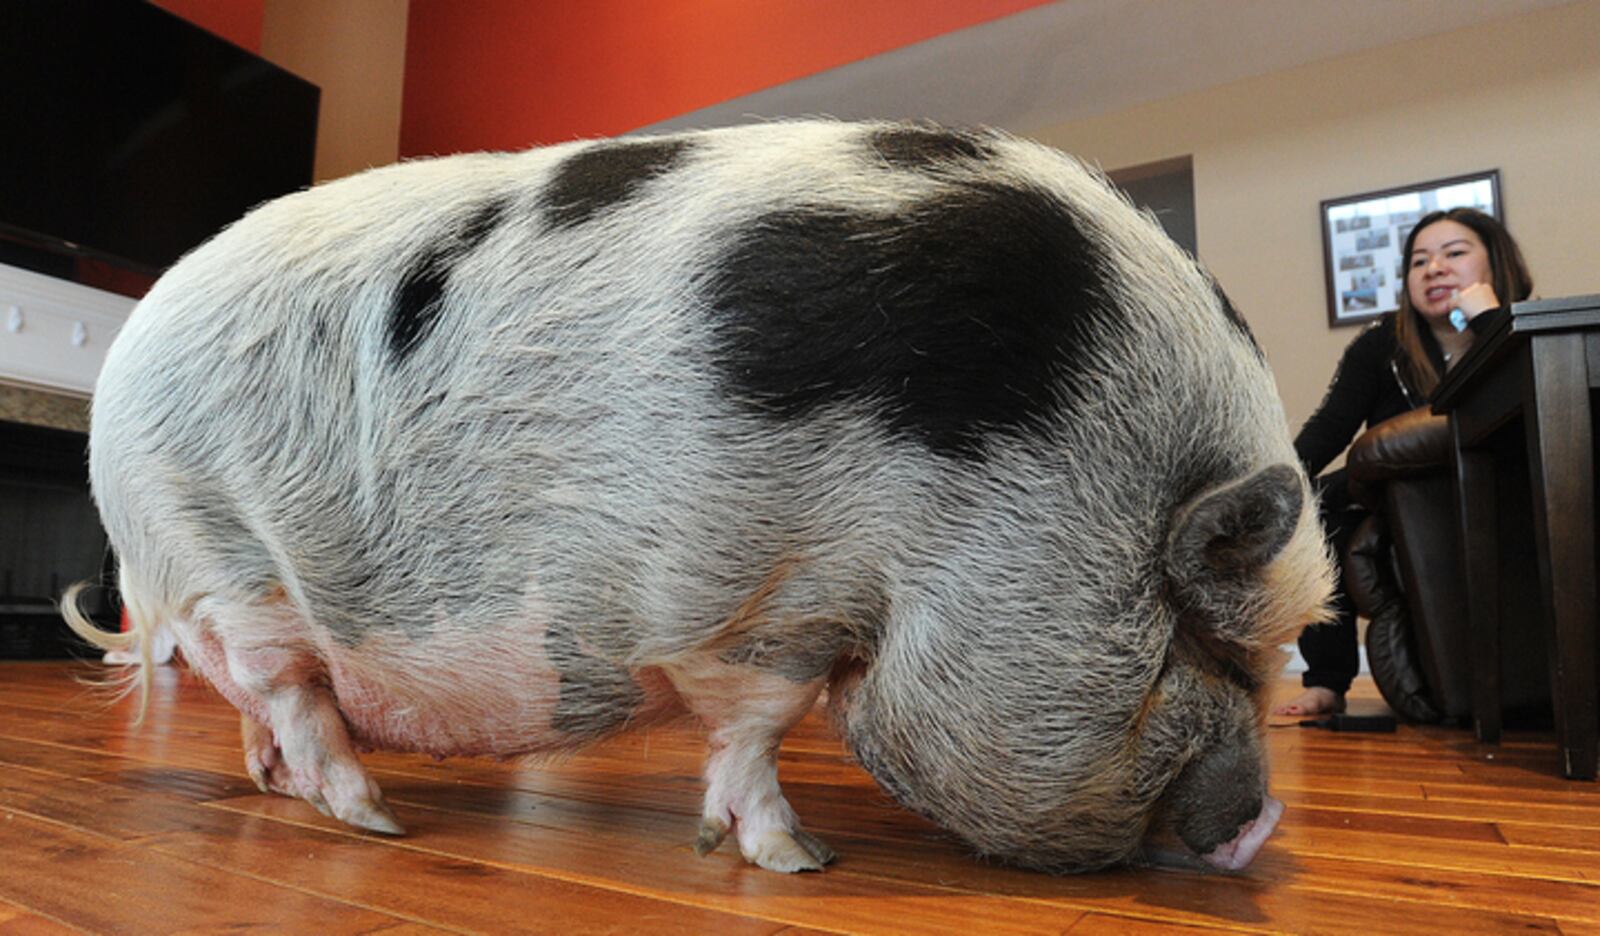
(356, 51)
(1521, 95)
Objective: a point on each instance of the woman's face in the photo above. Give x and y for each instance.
(1446, 257)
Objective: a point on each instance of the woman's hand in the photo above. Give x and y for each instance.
(1479, 297)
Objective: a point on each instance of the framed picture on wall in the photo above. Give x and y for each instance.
(1363, 235)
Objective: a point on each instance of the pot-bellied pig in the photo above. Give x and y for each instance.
(505, 453)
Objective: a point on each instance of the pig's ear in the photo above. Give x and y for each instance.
(1223, 539)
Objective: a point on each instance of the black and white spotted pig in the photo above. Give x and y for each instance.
(504, 453)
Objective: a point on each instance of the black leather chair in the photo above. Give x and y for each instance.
(1404, 569)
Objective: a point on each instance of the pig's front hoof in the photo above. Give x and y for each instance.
(712, 832)
(788, 851)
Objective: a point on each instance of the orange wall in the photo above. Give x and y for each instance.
(507, 74)
(238, 21)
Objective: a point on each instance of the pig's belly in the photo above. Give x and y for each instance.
(449, 697)
(462, 710)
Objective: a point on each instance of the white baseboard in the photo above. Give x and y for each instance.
(54, 333)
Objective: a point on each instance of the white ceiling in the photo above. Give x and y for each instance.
(1076, 58)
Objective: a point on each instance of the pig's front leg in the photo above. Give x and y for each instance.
(746, 711)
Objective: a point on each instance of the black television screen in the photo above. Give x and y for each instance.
(133, 135)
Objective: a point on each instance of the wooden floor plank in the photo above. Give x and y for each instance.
(106, 886)
(373, 873)
(1104, 924)
(1467, 846)
(1585, 839)
(1421, 831)
(27, 924)
(99, 809)
(15, 921)
(1573, 794)
(1526, 895)
(1500, 809)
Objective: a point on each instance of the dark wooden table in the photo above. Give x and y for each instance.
(1538, 368)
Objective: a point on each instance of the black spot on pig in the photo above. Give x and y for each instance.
(597, 696)
(920, 148)
(416, 305)
(596, 179)
(1233, 315)
(420, 295)
(972, 312)
(479, 225)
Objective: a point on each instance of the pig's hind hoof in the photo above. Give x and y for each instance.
(371, 813)
(260, 774)
(374, 817)
(789, 851)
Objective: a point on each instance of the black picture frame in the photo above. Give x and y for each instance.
(1362, 236)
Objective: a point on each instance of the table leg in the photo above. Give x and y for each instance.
(1561, 460)
(1480, 560)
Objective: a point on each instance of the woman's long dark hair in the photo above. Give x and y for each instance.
(1508, 274)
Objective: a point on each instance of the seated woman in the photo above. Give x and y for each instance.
(1460, 264)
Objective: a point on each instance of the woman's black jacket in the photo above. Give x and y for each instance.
(1368, 387)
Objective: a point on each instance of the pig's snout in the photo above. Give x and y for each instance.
(1237, 854)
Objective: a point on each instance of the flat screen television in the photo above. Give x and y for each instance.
(132, 135)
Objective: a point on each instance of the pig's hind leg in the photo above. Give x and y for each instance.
(362, 807)
(747, 711)
(306, 752)
(296, 741)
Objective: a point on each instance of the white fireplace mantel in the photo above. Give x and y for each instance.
(54, 333)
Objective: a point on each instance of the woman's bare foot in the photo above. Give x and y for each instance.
(1316, 700)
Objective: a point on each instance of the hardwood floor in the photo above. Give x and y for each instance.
(108, 829)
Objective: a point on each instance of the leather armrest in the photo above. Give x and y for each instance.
(1365, 558)
(1409, 445)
